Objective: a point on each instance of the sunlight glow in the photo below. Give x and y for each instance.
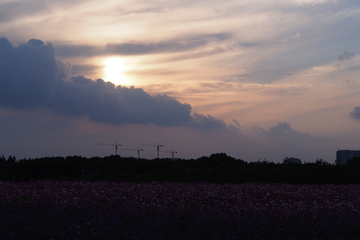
(114, 68)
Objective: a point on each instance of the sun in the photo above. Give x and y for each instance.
(114, 71)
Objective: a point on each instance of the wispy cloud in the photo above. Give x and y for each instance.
(346, 56)
(140, 48)
(16, 9)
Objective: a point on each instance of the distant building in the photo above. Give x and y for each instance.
(292, 160)
(343, 156)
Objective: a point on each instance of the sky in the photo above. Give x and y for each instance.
(259, 79)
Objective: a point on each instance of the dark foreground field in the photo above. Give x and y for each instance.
(106, 210)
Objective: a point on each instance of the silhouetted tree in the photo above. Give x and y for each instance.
(2, 159)
(11, 159)
(215, 168)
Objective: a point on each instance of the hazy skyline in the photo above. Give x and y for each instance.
(254, 79)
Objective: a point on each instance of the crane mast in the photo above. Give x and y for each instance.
(133, 149)
(154, 145)
(172, 152)
(114, 145)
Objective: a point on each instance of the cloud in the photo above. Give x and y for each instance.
(206, 122)
(15, 9)
(346, 56)
(296, 36)
(31, 77)
(85, 70)
(355, 114)
(72, 50)
(138, 48)
(11, 10)
(283, 131)
(28, 74)
(236, 123)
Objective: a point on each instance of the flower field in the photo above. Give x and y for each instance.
(108, 210)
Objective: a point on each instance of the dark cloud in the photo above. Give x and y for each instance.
(236, 123)
(31, 77)
(29, 74)
(85, 70)
(355, 114)
(206, 122)
(73, 50)
(283, 131)
(138, 48)
(346, 56)
(104, 102)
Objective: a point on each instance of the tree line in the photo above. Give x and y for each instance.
(218, 168)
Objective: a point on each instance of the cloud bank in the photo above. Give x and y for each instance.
(283, 131)
(32, 77)
(355, 114)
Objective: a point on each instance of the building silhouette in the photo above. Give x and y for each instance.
(343, 156)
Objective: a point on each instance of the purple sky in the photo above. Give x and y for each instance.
(254, 79)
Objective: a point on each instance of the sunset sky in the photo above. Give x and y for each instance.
(253, 79)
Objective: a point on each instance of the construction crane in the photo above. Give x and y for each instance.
(172, 152)
(114, 145)
(133, 149)
(154, 145)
